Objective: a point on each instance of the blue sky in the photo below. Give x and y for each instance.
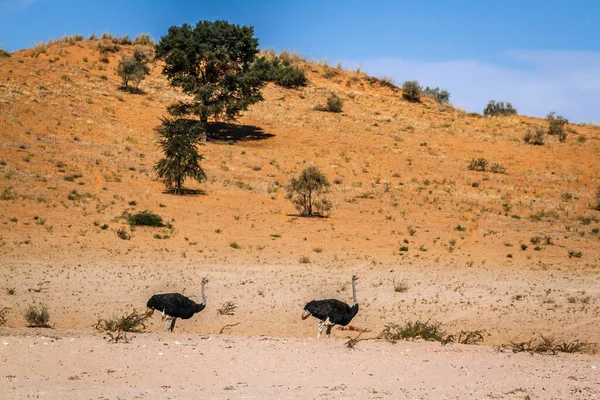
(541, 55)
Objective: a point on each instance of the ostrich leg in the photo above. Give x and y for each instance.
(329, 331)
(321, 328)
(172, 325)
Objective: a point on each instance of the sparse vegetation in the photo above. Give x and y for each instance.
(117, 328)
(478, 164)
(3, 313)
(304, 260)
(228, 308)
(411, 91)
(400, 287)
(549, 346)
(305, 193)
(143, 39)
(37, 316)
(499, 109)
(4, 53)
(556, 126)
(439, 95)
(145, 218)
(535, 136)
(430, 331)
(123, 234)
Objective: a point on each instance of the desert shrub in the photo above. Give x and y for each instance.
(466, 337)
(280, 73)
(123, 234)
(290, 77)
(334, 103)
(478, 164)
(143, 39)
(92, 37)
(4, 53)
(37, 316)
(411, 91)
(228, 308)
(125, 41)
(3, 313)
(132, 322)
(116, 328)
(550, 346)
(535, 137)
(133, 69)
(556, 126)
(400, 287)
(304, 260)
(440, 95)
(430, 331)
(145, 218)
(388, 82)
(497, 168)
(494, 108)
(107, 47)
(305, 193)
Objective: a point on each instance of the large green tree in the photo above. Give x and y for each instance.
(212, 62)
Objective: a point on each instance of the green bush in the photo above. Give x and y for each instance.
(280, 73)
(334, 104)
(37, 316)
(430, 331)
(556, 126)
(145, 218)
(143, 40)
(478, 164)
(133, 69)
(411, 91)
(494, 108)
(440, 95)
(535, 137)
(4, 53)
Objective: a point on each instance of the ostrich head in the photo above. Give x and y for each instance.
(305, 314)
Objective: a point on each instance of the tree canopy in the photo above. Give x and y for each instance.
(213, 63)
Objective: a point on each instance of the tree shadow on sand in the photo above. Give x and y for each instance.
(221, 131)
(185, 192)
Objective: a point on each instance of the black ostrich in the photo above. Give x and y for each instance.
(175, 305)
(331, 311)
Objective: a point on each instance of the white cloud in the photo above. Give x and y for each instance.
(535, 82)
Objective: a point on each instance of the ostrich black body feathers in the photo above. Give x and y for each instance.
(338, 312)
(175, 305)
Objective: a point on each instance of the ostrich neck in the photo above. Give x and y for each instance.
(354, 292)
(203, 296)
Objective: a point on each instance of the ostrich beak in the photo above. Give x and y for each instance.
(149, 312)
(305, 314)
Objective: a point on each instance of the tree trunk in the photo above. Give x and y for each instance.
(204, 125)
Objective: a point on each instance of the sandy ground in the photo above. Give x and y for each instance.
(164, 366)
(271, 353)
